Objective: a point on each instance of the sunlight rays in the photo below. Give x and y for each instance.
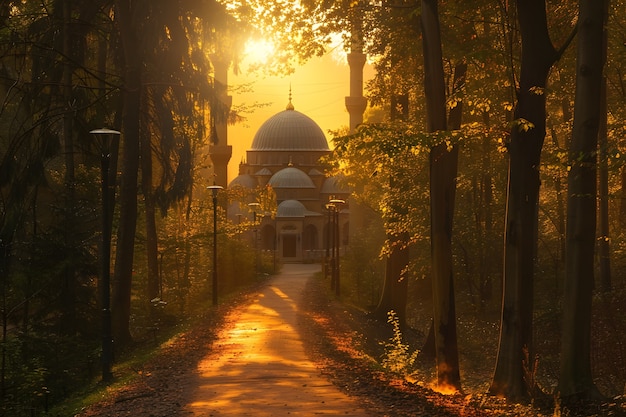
(259, 51)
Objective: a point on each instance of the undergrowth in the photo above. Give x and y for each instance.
(398, 357)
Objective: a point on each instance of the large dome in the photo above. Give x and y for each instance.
(289, 130)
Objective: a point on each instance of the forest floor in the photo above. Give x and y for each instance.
(344, 343)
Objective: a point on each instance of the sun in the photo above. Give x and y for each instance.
(259, 51)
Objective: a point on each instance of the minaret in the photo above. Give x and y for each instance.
(355, 102)
(219, 149)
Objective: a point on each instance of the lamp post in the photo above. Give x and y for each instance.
(254, 207)
(336, 203)
(330, 246)
(275, 247)
(104, 139)
(214, 189)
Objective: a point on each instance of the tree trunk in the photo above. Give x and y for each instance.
(538, 56)
(575, 375)
(152, 254)
(487, 270)
(185, 282)
(560, 208)
(443, 171)
(622, 201)
(68, 289)
(604, 241)
(395, 286)
(120, 310)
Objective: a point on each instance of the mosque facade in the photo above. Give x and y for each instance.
(284, 158)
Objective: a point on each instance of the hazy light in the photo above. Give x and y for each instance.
(259, 51)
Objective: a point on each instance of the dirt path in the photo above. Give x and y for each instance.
(247, 358)
(258, 366)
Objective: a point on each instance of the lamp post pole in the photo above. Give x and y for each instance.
(275, 247)
(254, 207)
(104, 138)
(328, 240)
(259, 240)
(336, 203)
(214, 189)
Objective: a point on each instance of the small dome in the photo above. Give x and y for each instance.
(264, 173)
(289, 130)
(291, 177)
(333, 185)
(243, 180)
(291, 208)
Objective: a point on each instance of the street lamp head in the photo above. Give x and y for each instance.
(104, 138)
(335, 203)
(105, 131)
(254, 206)
(214, 189)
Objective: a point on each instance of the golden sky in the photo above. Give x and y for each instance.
(318, 90)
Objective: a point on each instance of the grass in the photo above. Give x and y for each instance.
(128, 368)
(125, 372)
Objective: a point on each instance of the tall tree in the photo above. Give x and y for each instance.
(130, 17)
(604, 247)
(521, 224)
(575, 376)
(69, 282)
(443, 171)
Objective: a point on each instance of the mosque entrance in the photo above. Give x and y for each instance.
(289, 246)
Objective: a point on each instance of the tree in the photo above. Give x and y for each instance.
(521, 224)
(604, 248)
(575, 375)
(443, 171)
(129, 17)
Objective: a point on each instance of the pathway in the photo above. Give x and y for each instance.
(260, 368)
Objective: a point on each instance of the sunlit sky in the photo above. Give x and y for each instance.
(318, 90)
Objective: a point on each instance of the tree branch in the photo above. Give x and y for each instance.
(567, 42)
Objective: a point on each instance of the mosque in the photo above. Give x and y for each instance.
(285, 155)
(285, 158)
